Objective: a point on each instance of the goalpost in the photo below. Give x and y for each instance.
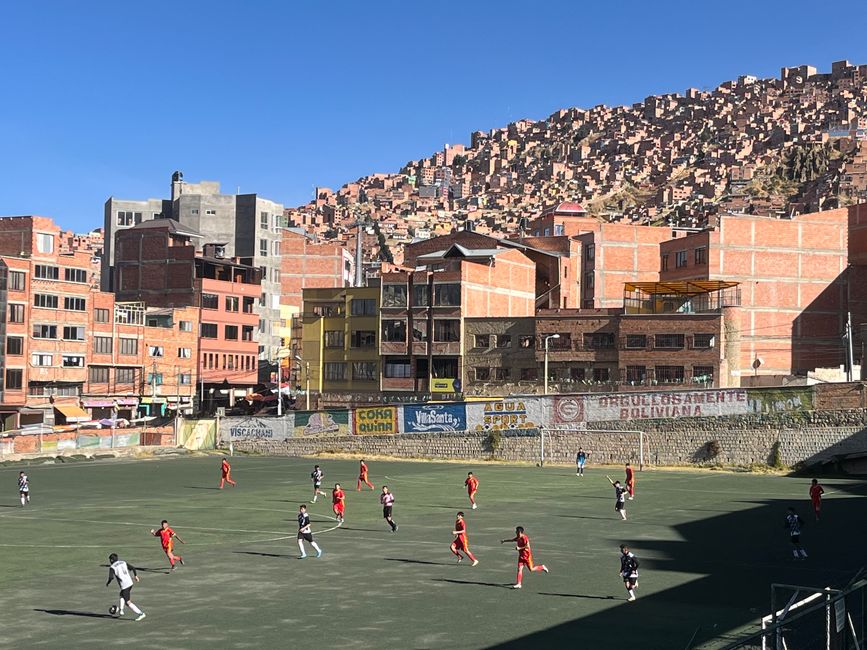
(603, 446)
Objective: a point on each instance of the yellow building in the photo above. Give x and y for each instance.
(340, 339)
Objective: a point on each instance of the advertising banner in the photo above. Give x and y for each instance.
(785, 400)
(253, 428)
(523, 413)
(422, 418)
(377, 420)
(322, 423)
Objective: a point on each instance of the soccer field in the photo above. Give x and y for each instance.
(709, 544)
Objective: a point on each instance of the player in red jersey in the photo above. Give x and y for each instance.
(461, 543)
(630, 481)
(472, 484)
(362, 477)
(338, 502)
(525, 555)
(226, 474)
(816, 492)
(167, 538)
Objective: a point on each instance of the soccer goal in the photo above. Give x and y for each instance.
(560, 444)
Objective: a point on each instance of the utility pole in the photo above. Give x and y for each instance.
(850, 353)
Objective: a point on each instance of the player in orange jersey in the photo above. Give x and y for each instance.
(338, 502)
(472, 484)
(816, 492)
(167, 538)
(226, 473)
(362, 477)
(525, 555)
(461, 544)
(630, 481)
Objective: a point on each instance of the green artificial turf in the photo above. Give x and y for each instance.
(710, 545)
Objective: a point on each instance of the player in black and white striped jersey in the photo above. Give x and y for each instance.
(23, 488)
(120, 571)
(794, 523)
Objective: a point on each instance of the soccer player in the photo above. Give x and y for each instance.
(167, 538)
(472, 484)
(461, 543)
(316, 476)
(362, 477)
(816, 492)
(794, 523)
(630, 481)
(628, 571)
(387, 501)
(226, 473)
(304, 534)
(119, 570)
(23, 488)
(620, 498)
(525, 555)
(338, 502)
(580, 459)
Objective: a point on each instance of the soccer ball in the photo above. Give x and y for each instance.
(113, 610)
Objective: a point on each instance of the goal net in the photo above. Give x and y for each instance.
(560, 444)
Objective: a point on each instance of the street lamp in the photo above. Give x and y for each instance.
(307, 374)
(548, 338)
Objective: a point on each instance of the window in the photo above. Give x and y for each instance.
(102, 345)
(668, 341)
(394, 331)
(40, 359)
(124, 375)
(664, 262)
(447, 330)
(394, 295)
(194, 211)
(502, 374)
(529, 374)
(700, 255)
(45, 300)
(590, 253)
(75, 275)
(335, 371)
(45, 331)
(14, 379)
(703, 341)
(155, 379)
(275, 248)
(275, 276)
(504, 341)
(334, 338)
(577, 374)
(563, 342)
(636, 341)
(420, 295)
(364, 339)
(601, 374)
(185, 353)
(44, 243)
(246, 332)
(263, 248)
(397, 369)
(669, 374)
(364, 370)
(73, 333)
(74, 304)
(230, 332)
(483, 374)
(129, 346)
(447, 295)
(589, 280)
(185, 326)
(636, 374)
(100, 315)
(263, 300)
(46, 272)
(126, 218)
(155, 351)
(702, 374)
(210, 301)
(185, 379)
(525, 341)
(419, 331)
(14, 346)
(363, 307)
(208, 330)
(211, 213)
(482, 341)
(73, 361)
(680, 259)
(17, 281)
(232, 303)
(263, 220)
(599, 341)
(248, 305)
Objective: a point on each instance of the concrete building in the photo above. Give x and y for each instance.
(248, 225)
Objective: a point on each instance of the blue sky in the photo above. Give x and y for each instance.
(109, 98)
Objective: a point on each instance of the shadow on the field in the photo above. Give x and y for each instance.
(499, 585)
(408, 561)
(427, 505)
(145, 569)
(365, 530)
(265, 554)
(200, 487)
(588, 596)
(3, 505)
(586, 517)
(69, 612)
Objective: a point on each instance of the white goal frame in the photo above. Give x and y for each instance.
(578, 430)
